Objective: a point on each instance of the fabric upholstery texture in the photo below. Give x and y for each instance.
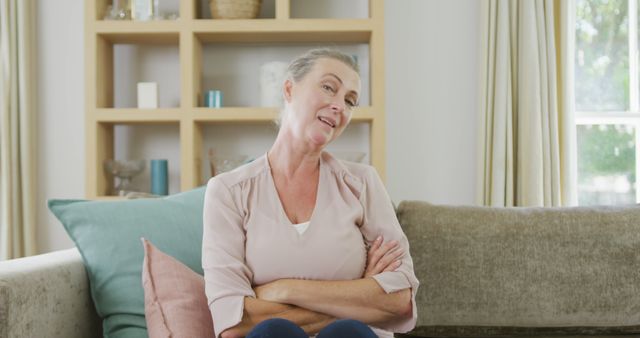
(518, 331)
(108, 233)
(46, 296)
(174, 299)
(526, 267)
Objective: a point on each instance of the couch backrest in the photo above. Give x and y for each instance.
(533, 267)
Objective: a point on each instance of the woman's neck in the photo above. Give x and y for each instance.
(292, 159)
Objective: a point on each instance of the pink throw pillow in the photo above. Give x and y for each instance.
(175, 304)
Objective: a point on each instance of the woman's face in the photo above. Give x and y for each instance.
(321, 103)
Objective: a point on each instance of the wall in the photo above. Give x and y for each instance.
(61, 139)
(431, 76)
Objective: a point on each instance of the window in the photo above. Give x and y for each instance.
(607, 101)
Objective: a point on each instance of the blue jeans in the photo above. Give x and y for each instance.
(282, 328)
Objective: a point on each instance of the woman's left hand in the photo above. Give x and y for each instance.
(383, 257)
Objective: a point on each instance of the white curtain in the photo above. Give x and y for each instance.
(527, 136)
(17, 129)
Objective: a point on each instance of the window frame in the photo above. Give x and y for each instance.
(632, 116)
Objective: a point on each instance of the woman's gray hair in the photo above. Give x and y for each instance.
(302, 65)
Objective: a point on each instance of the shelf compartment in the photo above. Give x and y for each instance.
(98, 8)
(255, 139)
(123, 65)
(237, 70)
(147, 142)
(133, 141)
(227, 139)
(203, 10)
(292, 30)
(355, 138)
(329, 9)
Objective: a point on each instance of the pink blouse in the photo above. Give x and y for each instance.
(248, 239)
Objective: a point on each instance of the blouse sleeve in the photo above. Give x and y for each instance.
(380, 219)
(227, 277)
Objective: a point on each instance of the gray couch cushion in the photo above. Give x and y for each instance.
(518, 331)
(525, 267)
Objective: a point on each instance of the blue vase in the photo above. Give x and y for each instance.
(159, 177)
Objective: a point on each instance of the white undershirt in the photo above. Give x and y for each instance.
(301, 227)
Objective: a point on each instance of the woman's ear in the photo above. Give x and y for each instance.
(287, 88)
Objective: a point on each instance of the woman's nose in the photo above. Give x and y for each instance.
(337, 107)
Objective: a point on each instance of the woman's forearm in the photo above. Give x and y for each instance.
(257, 310)
(361, 299)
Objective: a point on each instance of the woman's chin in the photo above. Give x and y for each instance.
(320, 140)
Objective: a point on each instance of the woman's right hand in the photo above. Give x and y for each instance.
(383, 257)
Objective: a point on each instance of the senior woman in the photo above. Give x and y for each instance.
(298, 243)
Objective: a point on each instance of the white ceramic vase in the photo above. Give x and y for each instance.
(272, 76)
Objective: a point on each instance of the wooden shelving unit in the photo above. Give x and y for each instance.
(189, 33)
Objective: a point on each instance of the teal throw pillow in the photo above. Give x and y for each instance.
(108, 233)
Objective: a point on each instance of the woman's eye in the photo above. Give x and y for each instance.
(327, 87)
(351, 103)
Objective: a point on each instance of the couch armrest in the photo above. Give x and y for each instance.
(47, 296)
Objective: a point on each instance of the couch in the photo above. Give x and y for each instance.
(484, 272)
